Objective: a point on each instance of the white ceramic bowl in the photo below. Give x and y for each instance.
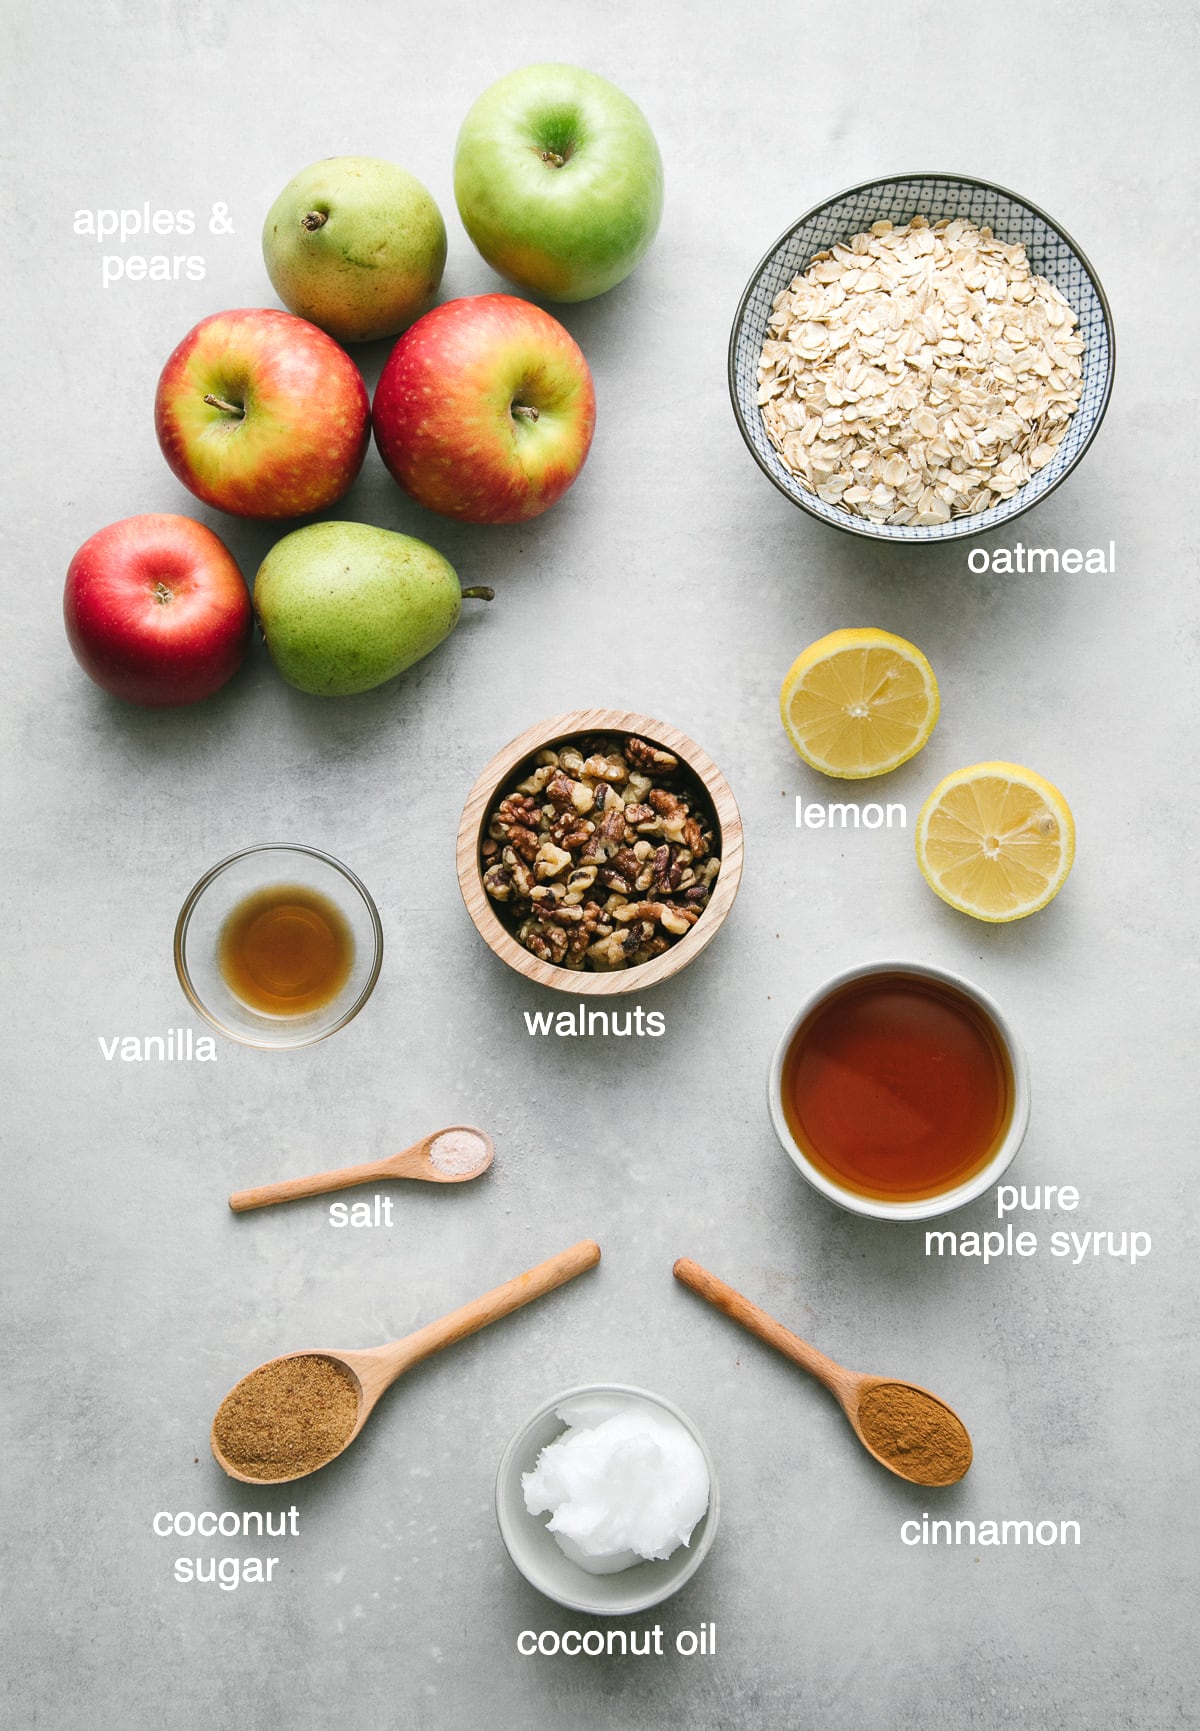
(534, 1551)
(920, 1208)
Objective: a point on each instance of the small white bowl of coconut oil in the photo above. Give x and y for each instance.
(647, 1478)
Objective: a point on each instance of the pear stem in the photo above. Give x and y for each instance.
(229, 408)
(481, 592)
(314, 220)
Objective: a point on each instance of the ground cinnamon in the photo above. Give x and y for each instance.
(287, 1418)
(924, 1439)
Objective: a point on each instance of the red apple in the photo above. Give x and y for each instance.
(156, 610)
(485, 410)
(262, 415)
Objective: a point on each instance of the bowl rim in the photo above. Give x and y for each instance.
(708, 1520)
(877, 531)
(190, 904)
(922, 1207)
(487, 786)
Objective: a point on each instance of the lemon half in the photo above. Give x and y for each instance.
(859, 702)
(995, 841)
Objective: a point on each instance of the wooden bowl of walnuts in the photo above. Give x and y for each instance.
(600, 852)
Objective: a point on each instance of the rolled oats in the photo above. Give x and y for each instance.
(916, 374)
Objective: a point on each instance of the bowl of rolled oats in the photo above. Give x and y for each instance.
(921, 358)
(600, 852)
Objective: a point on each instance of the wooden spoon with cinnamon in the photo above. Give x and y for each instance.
(907, 1429)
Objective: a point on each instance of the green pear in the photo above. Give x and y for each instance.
(344, 606)
(356, 245)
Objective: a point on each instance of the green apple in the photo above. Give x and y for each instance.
(345, 606)
(357, 246)
(559, 181)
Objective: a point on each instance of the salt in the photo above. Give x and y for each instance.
(457, 1151)
(626, 1482)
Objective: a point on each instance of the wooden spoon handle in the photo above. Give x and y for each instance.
(836, 1379)
(400, 1355)
(290, 1189)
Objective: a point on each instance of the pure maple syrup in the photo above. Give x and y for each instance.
(286, 950)
(898, 1087)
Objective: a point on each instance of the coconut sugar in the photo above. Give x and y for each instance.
(287, 1418)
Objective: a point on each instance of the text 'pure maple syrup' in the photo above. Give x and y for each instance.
(286, 950)
(898, 1087)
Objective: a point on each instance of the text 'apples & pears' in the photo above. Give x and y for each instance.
(345, 606)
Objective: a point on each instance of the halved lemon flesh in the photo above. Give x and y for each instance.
(859, 702)
(995, 841)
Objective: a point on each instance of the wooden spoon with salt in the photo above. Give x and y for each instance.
(907, 1429)
(450, 1156)
(291, 1432)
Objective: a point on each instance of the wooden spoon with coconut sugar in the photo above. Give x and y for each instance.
(450, 1156)
(297, 1413)
(907, 1429)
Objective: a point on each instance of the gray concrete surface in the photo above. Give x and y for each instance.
(672, 580)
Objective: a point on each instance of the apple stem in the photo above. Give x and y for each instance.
(229, 408)
(162, 594)
(526, 411)
(480, 593)
(553, 158)
(314, 220)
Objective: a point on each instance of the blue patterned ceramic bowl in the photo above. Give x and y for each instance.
(1052, 254)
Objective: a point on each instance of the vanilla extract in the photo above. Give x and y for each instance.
(286, 950)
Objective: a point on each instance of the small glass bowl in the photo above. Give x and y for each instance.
(223, 888)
